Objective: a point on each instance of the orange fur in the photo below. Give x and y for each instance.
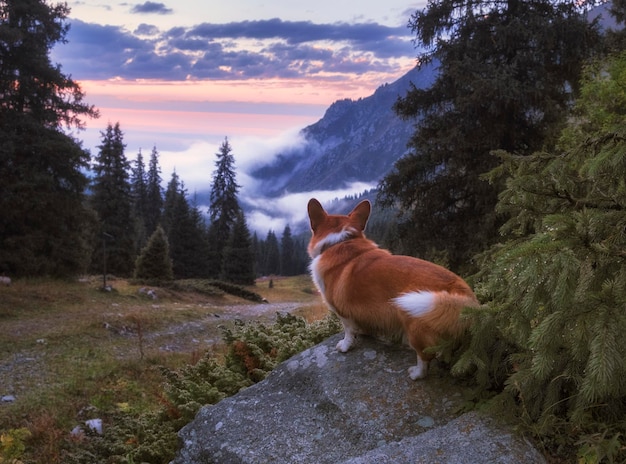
(374, 292)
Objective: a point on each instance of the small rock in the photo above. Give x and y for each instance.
(95, 425)
(149, 292)
(426, 422)
(7, 399)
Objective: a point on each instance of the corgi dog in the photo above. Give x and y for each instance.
(376, 293)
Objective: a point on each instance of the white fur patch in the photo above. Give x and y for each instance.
(315, 275)
(416, 304)
(420, 371)
(332, 239)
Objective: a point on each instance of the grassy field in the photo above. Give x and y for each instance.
(69, 348)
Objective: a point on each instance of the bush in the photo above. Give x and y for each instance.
(252, 351)
(12, 445)
(154, 263)
(237, 290)
(550, 336)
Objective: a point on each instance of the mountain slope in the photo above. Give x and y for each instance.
(355, 141)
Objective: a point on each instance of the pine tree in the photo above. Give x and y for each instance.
(45, 227)
(172, 193)
(506, 71)
(238, 265)
(287, 253)
(271, 258)
(257, 253)
(198, 243)
(154, 193)
(224, 209)
(139, 184)
(186, 232)
(176, 221)
(301, 256)
(112, 200)
(154, 263)
(551, 331)
(139, 192)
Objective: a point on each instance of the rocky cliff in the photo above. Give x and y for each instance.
(322, 406)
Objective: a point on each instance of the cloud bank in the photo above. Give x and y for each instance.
(151, 7)
(260, 49)
(196, 166)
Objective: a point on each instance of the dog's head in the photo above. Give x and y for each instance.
(329, 229)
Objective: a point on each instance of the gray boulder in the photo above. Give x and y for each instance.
(360, 407)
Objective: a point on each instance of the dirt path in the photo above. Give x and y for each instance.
(38, 364)
(205, 331)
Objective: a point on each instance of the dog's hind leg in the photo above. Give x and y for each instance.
(420, 370)
(420, 338)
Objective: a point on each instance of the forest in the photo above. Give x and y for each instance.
(515, 177)
(154, 235)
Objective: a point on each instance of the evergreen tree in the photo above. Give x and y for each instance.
(224, 209)
(287, 253)
(176, 222)
(154, 193)
(112, 199)
(186, 232)
(271, 258)
(198, 243)
(506, 71)
(171, 202)
(551, 332)
(139, 184)
(45, 227)
(238, 265)
(257, 252)
(615, 38)
(139, 192)
(154, 263)
(301, 256)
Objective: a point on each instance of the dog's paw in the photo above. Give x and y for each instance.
(344, 345)
(417, 372)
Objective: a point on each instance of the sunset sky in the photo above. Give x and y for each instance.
(182, 75)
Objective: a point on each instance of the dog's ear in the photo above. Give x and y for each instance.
(317, 215)
(361, 213)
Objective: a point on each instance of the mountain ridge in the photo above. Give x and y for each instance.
(355, 141)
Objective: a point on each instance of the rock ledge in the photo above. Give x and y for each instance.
(322, 406)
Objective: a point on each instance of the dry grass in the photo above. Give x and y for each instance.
(294, 289)
(68, 349)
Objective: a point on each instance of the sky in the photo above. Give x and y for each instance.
(182, 75)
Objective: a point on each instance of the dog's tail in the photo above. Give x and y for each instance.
(439, 310)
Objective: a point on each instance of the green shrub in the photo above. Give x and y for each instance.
(154, 262)
(203, 286)
(12, 445)
(252, 351)
(214, 288)
(550, 337)
(237, 290)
